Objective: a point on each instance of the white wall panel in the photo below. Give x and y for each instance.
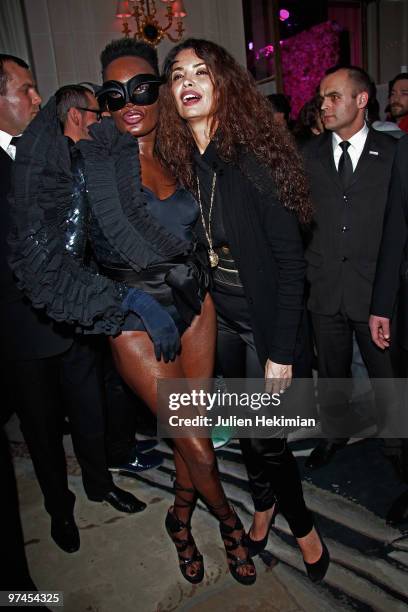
(67, 36)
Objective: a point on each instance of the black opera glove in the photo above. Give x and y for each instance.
(158, 323)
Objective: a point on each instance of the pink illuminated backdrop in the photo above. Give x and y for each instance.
(305, 58)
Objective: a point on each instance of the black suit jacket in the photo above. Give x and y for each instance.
(25, 333)
(347, 227)
(392, 268)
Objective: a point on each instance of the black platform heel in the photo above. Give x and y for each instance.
(231, 543)
(257, 546)
(173, 527)
(316, 571)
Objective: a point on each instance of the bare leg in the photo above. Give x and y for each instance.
(137, 364)
(311, 546)
(195, 459)
(260, 524)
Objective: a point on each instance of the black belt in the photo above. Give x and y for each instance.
(181, 281)
(132, 277)
(226, 272)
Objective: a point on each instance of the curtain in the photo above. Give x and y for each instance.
(349, 17)
(13, 38)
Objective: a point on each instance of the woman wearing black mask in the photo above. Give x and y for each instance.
(149, 295)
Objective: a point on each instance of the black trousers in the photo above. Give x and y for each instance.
(42, 391)
(15, 574)
(334, 345)
(120, 414)
(271, 467)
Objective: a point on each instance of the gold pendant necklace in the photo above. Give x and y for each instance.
(212, 255)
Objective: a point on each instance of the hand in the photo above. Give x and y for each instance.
(380, 331)
(158, 323)
(277, 377)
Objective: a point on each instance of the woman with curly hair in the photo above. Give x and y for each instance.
(217, 136)
(149, 291)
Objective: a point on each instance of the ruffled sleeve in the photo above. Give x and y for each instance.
(112, 173)
(45, 271)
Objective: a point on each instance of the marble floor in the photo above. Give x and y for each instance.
(127, 563)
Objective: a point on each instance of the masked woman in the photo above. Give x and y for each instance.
(144, 285)
(218, 137)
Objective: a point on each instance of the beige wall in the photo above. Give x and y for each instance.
(67, 35)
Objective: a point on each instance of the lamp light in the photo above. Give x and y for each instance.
(146, 23)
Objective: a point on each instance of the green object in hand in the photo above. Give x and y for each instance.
(221, 435)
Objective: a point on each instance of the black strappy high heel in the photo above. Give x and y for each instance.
(174, 526)
(257, 546)
(231, 543)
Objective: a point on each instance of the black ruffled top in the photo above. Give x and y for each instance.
(40, 203)
(177, 213)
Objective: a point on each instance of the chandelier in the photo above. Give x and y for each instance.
(146, 25)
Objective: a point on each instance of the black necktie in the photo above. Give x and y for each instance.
(345, 168)
(14, 140)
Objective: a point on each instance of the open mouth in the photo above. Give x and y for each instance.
(189, 98)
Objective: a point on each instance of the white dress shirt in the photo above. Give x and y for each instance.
(5, 144)
(355, 149)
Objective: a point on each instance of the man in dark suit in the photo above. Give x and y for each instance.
(349, 168)
(391, 282)
(44, 369)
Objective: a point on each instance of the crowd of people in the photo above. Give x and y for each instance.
(168, 224)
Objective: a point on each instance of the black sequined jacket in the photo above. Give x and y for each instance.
(52, 204)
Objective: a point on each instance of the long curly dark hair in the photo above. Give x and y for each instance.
(243, 119)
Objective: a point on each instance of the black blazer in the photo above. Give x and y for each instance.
(392, 268)
(347, 227)
(25, 333)
(265, 243)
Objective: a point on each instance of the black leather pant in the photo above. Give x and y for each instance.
(272, 470)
